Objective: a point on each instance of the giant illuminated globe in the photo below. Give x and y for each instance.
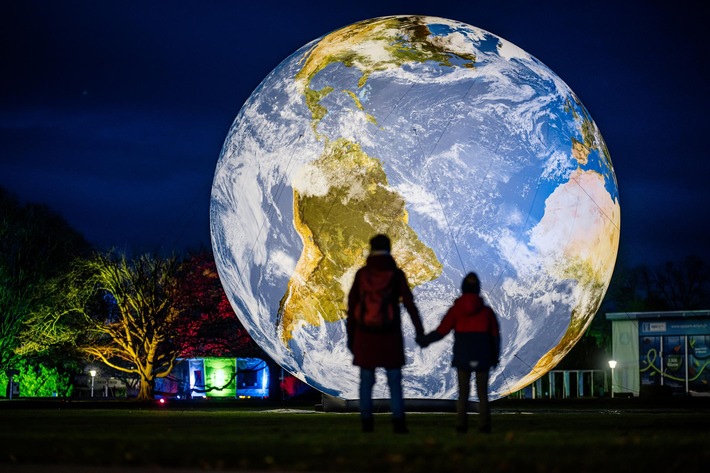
(468, 152)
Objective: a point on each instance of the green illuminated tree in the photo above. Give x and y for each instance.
(39, 380)
(36, 245)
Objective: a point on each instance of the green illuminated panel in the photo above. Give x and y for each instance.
(220, 377)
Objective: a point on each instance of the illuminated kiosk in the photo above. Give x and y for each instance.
(660, 353)
(216, 377)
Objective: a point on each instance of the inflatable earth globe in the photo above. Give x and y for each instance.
(468, 152)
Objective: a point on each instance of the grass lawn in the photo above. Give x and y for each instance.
(232, 437)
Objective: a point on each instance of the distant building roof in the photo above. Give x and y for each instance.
(671, 314)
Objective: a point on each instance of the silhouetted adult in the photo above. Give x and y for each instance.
(476, 348)
(375, 331)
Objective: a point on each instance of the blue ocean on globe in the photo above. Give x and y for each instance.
(467, 151)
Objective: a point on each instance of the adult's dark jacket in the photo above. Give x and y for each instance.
(373, 349)
(476, 333)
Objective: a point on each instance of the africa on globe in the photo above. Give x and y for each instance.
(468, 152)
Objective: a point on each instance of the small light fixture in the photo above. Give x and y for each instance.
(93, 375)
(612, 365)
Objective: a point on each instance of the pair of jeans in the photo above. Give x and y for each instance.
(394, 381)
(484, 413)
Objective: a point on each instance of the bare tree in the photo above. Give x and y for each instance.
(120, 312)
(683, 285)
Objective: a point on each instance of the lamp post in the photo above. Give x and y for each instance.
(93, 375)
(612, 365)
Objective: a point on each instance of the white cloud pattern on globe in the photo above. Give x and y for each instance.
(468, 152)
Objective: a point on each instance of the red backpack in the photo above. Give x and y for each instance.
(379, 302)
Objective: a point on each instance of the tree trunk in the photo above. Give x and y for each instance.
(145, 393)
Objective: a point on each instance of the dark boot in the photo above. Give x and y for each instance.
(462, 423)
(368, 424)
(400, 426)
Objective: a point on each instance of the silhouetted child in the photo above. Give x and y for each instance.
(476, 348)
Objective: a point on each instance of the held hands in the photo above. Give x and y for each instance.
(422, 340)
(426, 340)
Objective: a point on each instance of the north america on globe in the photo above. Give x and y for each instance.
(467, 151)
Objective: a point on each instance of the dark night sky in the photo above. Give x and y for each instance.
(114, 112)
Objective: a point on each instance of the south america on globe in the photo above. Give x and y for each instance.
(467, 151)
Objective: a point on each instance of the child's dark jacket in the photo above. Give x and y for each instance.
(476, 333)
